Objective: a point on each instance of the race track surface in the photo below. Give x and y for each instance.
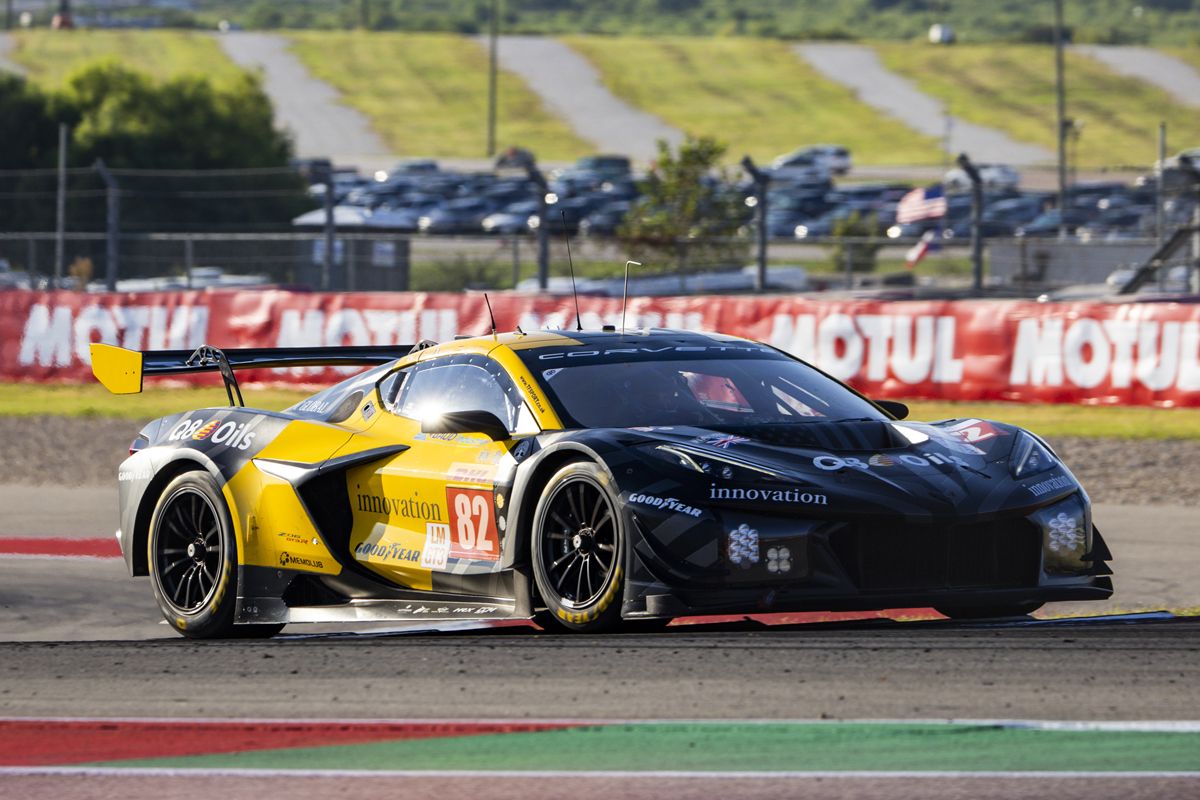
(1113, 671)
(858, 67)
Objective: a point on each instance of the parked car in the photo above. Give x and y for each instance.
(513, 218)
(832, 158)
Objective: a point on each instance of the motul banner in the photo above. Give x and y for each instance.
(1129, 354)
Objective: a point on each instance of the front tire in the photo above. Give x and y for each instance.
(192, 554)
(578, 549)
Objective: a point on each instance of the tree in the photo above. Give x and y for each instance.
(861, 254)
(689, 213)
(132, 121)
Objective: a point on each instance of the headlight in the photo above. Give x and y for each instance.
(1066, 535)
(1029, 457)
(716, 467)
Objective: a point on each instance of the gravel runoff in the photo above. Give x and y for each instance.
(857, 67)
(86, 452)
(1178, 78)
(310, 108)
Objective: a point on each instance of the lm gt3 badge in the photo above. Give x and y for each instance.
(231, 434)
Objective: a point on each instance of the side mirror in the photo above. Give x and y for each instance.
(484, 422)
(893, 407)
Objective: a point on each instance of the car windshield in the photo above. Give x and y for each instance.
(703, 392)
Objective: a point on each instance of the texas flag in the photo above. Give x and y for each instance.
(919, 250)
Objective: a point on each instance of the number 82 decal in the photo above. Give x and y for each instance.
(472, 525)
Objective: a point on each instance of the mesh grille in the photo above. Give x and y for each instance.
(994, 555)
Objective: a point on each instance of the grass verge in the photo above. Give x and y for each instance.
(90, 400)
(426, 94)
(50, 56)
(755, 94)
(1011, 88)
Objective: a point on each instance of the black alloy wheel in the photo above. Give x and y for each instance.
(578, 549)
(187, 550)
(193, 559)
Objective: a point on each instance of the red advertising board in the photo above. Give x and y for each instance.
(1128, 354)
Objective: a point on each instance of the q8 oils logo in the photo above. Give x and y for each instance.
(231, 434)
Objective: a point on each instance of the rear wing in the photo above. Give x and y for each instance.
(121, 371)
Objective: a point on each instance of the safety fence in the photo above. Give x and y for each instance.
(1127, 354)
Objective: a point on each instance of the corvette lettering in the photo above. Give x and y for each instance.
(767, 495)
(644, 351)
(665, 503)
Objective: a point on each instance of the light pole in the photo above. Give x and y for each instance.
(1061, 102)
(762, 181)
(493, 35)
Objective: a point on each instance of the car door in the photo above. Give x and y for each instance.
(437, 506)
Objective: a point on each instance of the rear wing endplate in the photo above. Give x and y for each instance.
(121, 371)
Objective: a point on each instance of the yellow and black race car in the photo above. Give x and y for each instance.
(583, 478)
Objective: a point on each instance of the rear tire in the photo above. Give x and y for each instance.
(192, 555)
(578, 550)
(988, 612)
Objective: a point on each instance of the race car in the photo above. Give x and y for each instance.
(585, 479)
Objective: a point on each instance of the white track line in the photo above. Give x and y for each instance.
(174, 772)
(1106, 726)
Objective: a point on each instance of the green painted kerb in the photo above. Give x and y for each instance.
(765, 747)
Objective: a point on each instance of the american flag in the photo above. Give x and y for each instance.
(919, 204)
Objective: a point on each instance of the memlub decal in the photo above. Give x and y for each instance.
(290, 561)
(665, 503)
(231, 433)
(472, 524)
(794, 496)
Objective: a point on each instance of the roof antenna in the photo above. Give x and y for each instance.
(491, 316)
(571, 264)
(625, 294)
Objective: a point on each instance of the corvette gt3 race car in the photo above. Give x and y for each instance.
(583, 478)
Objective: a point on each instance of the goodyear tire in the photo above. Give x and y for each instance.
(193, 560)
(578, 549)
(988, 612)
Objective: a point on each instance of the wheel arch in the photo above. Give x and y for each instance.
(185, 461)
(529, 491)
